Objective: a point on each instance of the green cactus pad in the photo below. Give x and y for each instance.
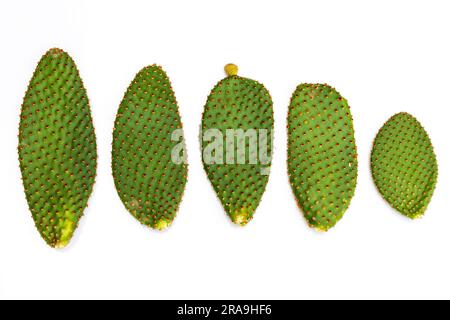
(404, 165)
(57, 148)
(322, 156)
(148, 155)
(239, 176)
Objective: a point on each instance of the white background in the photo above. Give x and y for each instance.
(383, 56)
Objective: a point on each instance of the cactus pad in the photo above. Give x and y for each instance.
(148, 155)
(239, 114)
(404, 165)
(322, 156)
(57, 148)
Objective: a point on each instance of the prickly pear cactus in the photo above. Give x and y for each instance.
(322, 156)
(404, 166)
(236, 132)
(148, 155)
(57, 148)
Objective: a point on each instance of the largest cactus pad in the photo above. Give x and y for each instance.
(57, 148)
(239, 108)
(322, 157)
(404, 165)
(148, 159)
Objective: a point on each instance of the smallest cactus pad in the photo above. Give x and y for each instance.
(404, 165)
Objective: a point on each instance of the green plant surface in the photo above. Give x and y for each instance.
(238, 103)
(404, 165)
(57, 148)
(147, 132)
(322, 154)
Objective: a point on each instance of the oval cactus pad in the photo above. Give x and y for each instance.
(237, 128)
(404, 165)
(322, 156)
(57, 148)
(148, 156)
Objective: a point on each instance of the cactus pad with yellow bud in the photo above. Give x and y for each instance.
(238, 122)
